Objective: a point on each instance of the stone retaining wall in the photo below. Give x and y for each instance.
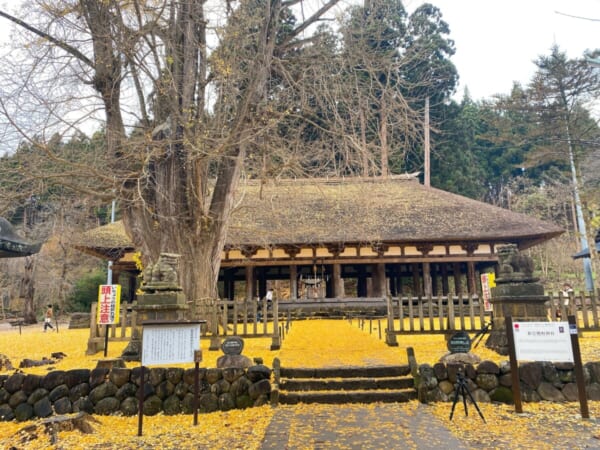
(115, 391)
(489, 381)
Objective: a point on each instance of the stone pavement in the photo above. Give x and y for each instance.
(375, 426)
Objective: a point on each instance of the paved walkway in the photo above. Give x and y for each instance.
(379, 426)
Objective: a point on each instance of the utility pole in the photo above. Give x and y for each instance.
(427, 164)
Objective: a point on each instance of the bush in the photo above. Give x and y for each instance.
(85, 291)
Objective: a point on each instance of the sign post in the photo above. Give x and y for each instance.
(488, 281)
(109, 303)
(170, 343)
(545, 341)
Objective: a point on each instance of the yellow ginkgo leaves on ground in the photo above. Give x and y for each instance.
(307, 343)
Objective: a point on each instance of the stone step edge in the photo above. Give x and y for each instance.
(342, 372)
(348, 397)
(338, 385)
(341, 379)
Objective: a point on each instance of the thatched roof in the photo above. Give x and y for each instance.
(108, 241)
(353, 210)
(372, 210)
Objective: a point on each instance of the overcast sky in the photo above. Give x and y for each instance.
(496, 41)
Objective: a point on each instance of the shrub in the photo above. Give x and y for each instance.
(85, 291)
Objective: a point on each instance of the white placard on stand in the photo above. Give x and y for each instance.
(542, 341)
(172, 343)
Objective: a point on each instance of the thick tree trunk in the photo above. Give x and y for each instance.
(28, 291)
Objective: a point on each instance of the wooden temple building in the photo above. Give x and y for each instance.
(348, 237)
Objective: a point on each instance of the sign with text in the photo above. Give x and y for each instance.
(542, 341)
(488, 281)
(459, 342)
(109, 303)
(170, 343)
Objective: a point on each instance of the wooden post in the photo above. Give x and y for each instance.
(579, 380)
(457, 278)
(445, 284)
(471, 282)
(379, 280)
(293, 282)
(249, 283)
(141, 402)
(276, 338)
(514, 365)
(390, 335)
(338, 281)
(427, 285)
(417, 289)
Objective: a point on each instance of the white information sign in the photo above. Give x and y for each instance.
(171, 343)
(543, 341)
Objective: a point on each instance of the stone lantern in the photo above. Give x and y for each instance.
(517, 293)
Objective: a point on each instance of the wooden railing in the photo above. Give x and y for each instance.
(247, 319)
(441, 314)
(436, 314)
(117, 332)
(582, 305)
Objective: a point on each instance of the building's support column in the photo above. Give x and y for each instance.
(379, 280)
(250, 281)
(337, 282)
(399, 287)
(434, 279)
(427, 291)
(293, 282)
(417, 287)
(228, 284)
(457, 275)
(262, 283)
(445, 284)
(361, 282)
(471, 280)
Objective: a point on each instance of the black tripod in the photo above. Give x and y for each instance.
(481, 333)
(463, 389)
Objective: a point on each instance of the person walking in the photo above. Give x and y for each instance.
(48, 318)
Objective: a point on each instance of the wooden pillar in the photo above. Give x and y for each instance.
(471, 282)
(337, 282)
(445, 284)
(399, 288)
(262, 283)
(250, 291)
(294, 282)
(228, 284)
(427, 289)
(379, 280)
(434, 278)
(392, 280)
(361, 282)
(417, 288)
(457, 278)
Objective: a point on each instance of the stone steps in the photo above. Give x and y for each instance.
(339, 385)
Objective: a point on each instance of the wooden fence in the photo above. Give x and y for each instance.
(467, 313)
(225, 318)
(116, 333)
(582, 305)
(441, 314)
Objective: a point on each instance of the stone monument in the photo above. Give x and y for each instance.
(517, 293)
(162, 299)
(232, 354)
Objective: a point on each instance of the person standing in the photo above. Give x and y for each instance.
(48, 318)
(269, 298)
